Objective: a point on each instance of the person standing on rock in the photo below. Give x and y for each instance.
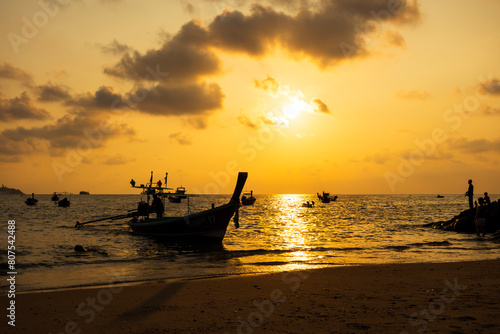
(470, 194)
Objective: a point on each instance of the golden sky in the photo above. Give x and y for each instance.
(345, 96)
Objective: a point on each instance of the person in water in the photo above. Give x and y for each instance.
(157, 205)
(470, 194)
(480, 218)
(486, 199)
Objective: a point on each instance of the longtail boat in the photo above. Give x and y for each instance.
(208, 225)
(250, 200)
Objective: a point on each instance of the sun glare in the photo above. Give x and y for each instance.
(292, 110)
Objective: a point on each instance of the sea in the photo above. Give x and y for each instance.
(274, 234)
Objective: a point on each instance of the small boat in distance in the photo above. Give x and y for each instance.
(248, 200)
(326, 198)
(308, 205)
(180, 193)
(55, 197)
(208, 225)
(64, 203)
(84, 193)
(440, 196)
(32, 200)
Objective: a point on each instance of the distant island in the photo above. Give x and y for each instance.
(10, 191)
(84, 193)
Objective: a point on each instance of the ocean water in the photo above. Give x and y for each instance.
(275, 234)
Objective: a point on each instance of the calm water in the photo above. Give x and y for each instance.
(275, 234)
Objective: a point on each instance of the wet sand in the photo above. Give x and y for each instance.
(404, 298)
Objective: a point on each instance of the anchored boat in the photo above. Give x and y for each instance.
(208, 225)
(326, 198)
(250, 200)
(180, 193)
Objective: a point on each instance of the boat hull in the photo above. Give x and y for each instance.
(248, 201)
(210, 225)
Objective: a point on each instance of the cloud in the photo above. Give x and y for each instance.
(326, 33)
(115, 48)
(394, 38)
(52, 93)
(117, 159)
(491, 86)
(104, 98)
(320, 106)
(338, 29)
(245, 120)
(474, 146)
(378, 158)
(180, 138)
(413, 95)
(293, 101)
(195, 99)
(489, 110)
(7, 71)
(21, 108)
(185, 56)
(270, 85)
(81, 132)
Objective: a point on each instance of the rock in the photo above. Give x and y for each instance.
(464, 222)
(10, 191)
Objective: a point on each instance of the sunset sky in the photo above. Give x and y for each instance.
(345, 96)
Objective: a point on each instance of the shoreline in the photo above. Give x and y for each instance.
(148, 281)
(445, 297)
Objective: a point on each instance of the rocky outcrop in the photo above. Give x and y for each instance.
(10, 191)
(464, 222)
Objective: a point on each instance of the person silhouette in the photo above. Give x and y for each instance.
(470, 194)
(486, 199)
(480, 218)
(157, 205)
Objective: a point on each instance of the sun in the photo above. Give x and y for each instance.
(293, 109)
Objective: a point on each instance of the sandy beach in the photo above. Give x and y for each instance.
(404, 298)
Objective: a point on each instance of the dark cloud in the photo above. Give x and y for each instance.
(181, 139)
(185, 57)
(491, 86)
(194, 99)
(336, 30)
(104, 98)
(326, 33)
(115, 48)
(52, 93)
(7, 71)
(82, 130)
(21, 108)
(413, 95)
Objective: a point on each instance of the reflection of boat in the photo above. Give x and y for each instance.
(55, 197)
(308, 205)
(208, 225)
(440, 196)
(326, 198)
(180, 193)
(32, 200)
(64, 203)
(248, 200)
